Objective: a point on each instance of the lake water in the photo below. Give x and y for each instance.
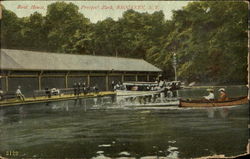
(66, 129)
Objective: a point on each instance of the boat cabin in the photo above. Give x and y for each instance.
(140, 86)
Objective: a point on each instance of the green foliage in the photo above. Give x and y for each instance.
(209, 38)
(10, 30)
(63, 22)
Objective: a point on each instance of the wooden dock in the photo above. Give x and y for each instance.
(44, 99)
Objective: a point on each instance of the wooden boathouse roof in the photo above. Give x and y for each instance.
(34, 60)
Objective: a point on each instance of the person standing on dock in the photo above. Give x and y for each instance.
(1, 94)
(169, 93)
(75, 88)
(19, 94)
(48, 92)
(88, 90)
(96, 89)
(79, 88)
(113, 85)
(83, 86)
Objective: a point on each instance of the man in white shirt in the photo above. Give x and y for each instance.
(19, 93)
(210, 96)
(1, 94)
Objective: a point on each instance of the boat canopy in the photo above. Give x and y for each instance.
(140, 84)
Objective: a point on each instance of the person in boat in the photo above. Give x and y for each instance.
(162, 96)
(117, 87)
(169, 93)
(134, 88)
(210, 96)
(223, 95)
(161, 83)
(19, 94)
(122, 87)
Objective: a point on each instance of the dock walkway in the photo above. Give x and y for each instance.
(44, 99)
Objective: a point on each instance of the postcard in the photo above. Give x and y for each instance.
(124, 79)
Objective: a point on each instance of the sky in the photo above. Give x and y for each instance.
(97, 10)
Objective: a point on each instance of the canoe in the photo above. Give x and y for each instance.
(204, 103)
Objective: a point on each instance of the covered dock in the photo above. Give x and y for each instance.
(34, 70)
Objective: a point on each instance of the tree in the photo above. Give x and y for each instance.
(62, 22)
(10, 30)
(33, 32)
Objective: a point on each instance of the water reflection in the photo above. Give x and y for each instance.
(210, 112)
(22, 112)
(65, 129)
(223, 112)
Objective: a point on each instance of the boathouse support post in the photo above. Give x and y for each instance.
(107, 81)
(88, 79)
(147, 77)
(122, 78)
(40, 80)
(7, 83)
(66, 80)
(136, 77)
(39, 83)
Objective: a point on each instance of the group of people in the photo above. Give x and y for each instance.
(117, 86)
(81, 87)
(162, 85)
(222, 95)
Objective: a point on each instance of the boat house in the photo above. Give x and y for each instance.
(34, 70)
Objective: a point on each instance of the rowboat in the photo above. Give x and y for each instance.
(216, 103)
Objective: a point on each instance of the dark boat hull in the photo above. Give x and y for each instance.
(203, 103)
